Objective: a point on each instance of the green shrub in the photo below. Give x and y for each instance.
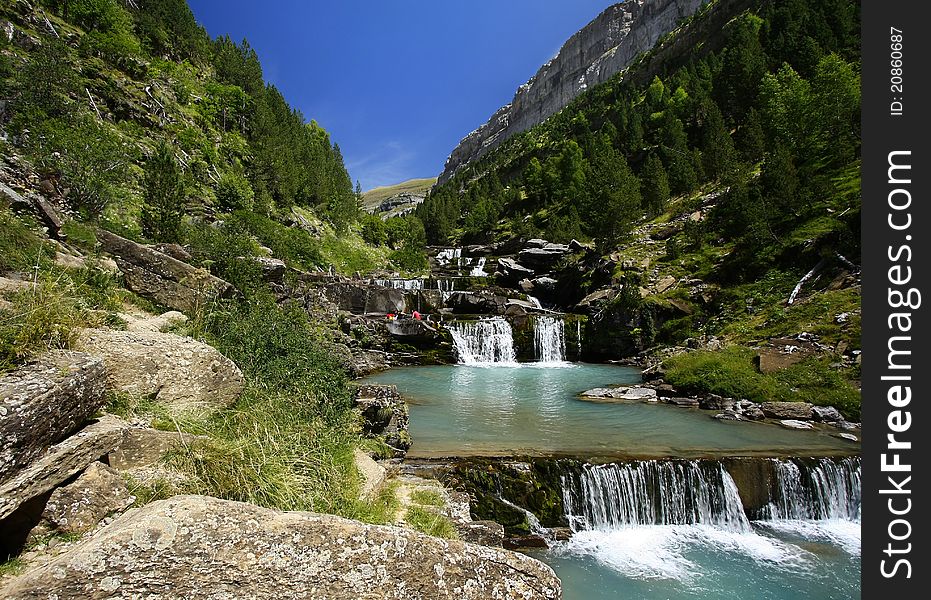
(21, 249)
(234, 193)
(431, 523)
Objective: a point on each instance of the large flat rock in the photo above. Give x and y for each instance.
(199, 547)
(180, 372)
(43, 402)
(163, 278)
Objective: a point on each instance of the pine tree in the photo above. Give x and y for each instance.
(163, 199)
(717, 147)
(655, 185)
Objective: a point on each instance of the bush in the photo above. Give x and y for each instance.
(90, 158)
(234, 193)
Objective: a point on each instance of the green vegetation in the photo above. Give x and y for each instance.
(732, 373)
(428, 497)
(432, 523)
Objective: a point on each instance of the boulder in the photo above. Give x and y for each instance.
(273, 269)
(359, 298)
(542, 258)
(476, 303)
(683, 402)
(826, 414)
(373, 474)
(60, 463)
(152, 323)
(12, 286)
(45, 401)
(665, 283)
(715, 402)
(385, 414)
(199, 547)
(159, 277)
(79, 506)
(596, 297)
(511, 270)
(795, 424)
(641, 394)
(412, 330)
(181, 373)
(367, 362)
(141, 448)
(535, 243)
(800, 411)
(545, 285)
(577, 246)
(749, 410)
(847, 436)
(532, 540)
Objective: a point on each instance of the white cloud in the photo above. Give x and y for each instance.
(389, 163)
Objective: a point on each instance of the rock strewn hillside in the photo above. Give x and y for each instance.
(598, 51)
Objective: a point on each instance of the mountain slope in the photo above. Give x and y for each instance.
(597, 52)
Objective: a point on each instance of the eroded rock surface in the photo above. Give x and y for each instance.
(181, 373)
(43, 402)
(199, 547)
(161, 277)
(80, 505)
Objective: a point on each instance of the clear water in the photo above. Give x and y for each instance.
(779, 561)
(535, 410)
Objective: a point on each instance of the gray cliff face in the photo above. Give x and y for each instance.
(598, 51)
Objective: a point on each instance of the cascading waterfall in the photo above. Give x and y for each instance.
(479, 269)
(549, 339)
(815, 490)
(652, 493)
(400, 284)
(489, 341)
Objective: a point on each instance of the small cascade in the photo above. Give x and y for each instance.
(815, 490)
(400, 284)
(534, 302)
(479, 269)
(489, 341)
(578, 338)
(671, 492)
(532, 521)
(549, 339)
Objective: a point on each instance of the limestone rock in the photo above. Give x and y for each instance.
(11, 286)
(511, 270)
(43, 402)
(412, 331)
(273, 269)
(542, 258)
(715, 402)
(598, 51)
(385, 414)
(193, 546)
(799, 411)
(162, 278)
(665, 283)
(641, 394)
(826, 414)
(795, 424)
(145, 447)
(373, 474)
(182, 373)
(60, 463)
(152, 323)
(78, 507)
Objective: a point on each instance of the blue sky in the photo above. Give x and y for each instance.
(398, 83)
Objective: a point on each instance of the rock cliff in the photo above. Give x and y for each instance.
(598, 51)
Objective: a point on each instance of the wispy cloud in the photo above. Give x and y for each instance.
(389, 163)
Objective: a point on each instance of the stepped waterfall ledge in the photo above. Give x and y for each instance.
(489, 341)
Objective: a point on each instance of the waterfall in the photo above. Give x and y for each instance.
(400, 284)
(549, 339)
(815, 490)
(479, 269)
(484, 342)
(670, 492)
(578, 337)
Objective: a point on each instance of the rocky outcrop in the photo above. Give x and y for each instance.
(60, 463)
(798, 411)
(45, 401)
(598, 51)
(193, 546)
(78, 507)
(181, 373)
(385, 415)
(636, 394)
(162, 278)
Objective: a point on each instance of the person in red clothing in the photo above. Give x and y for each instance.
(416, 315)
